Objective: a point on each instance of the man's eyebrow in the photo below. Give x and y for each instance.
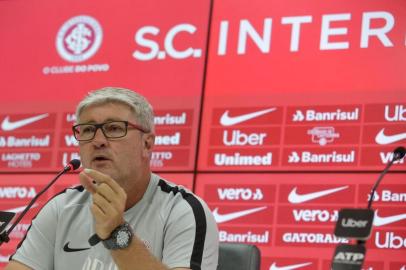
(105, 121)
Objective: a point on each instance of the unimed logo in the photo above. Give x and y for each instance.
(17, 192)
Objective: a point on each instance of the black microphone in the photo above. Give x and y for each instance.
(6, 217)
(398, 154)
(357, 224)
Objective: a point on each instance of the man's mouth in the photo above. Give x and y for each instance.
(100, 158)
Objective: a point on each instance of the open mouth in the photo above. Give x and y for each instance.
(100, 158)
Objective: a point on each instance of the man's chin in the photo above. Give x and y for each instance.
(102, 167)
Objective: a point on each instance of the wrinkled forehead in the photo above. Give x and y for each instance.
(106, 111)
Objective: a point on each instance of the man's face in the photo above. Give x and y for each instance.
(124, 159)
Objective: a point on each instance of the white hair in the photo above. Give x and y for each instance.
(142, 109)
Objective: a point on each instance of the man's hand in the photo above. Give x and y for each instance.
(109, 201)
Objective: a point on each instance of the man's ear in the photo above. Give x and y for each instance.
(149, 141)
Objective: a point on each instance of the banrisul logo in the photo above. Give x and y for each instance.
(79, 38)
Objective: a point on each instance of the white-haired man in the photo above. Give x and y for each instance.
(133, 218)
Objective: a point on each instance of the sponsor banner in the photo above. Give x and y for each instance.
(391, 113)
(68, 120)
(245, 137)
(317, 194)
(78, 47)
(388, 239)
(322, 135)
(222, 193)
(247, 116)
(172, 137)
(307, 216)
(166, 158)
(19, 192)
(289, 263)
(389, 217)
(67, 140)
(324, 114)
(64, 156)
(321, 157)
(384, 135)
(380, 156)
(16, 123)
(368, 265)
(253, 235)
(227, 159)
(306, 237)
(384, 195)
(20, 159)
(176, 118)
(31, 140)
(243, 214)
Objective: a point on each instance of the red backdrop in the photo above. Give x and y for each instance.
(258, 103)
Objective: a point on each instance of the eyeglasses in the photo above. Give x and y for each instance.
(113, 129)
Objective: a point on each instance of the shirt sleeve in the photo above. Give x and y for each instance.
(36, 250)
(191, 237)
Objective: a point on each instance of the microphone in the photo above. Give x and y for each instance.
(398, 154)
(357, 223)
(6, 217)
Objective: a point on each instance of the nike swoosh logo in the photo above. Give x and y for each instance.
(66, 248)
(381, 221)
(227, 120)
(381, 138)
(288, 267)
(300, 198)
(220, 218)
(6, 125)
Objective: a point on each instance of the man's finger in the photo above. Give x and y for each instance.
(99, 178)
(87, 182)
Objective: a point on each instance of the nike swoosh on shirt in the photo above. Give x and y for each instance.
(381, 138)
(381, 221)
(220, 218)
(227, 120)
(66, 248)
(7, 125)
(288, 267)
(300, 198)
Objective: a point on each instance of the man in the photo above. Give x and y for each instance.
(135, 219)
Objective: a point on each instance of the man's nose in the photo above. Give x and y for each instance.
(99, 138)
